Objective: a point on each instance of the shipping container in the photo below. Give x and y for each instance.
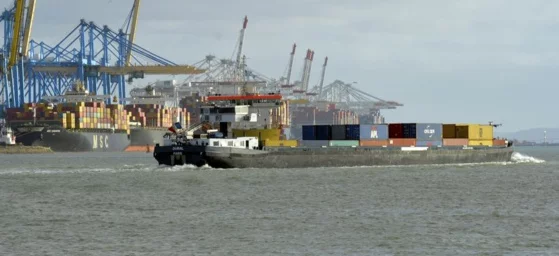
(462, 131)
(280, 143)
(323, 132)
(309, 132)
(455, 142)
(377, 131)
(449, 131)
(395, 131)
(352, 132)
(480, 142)
(429, 132)
(428, 143)
(373, 143)
(401, 142)
(499, 142)
(480, 132)
(343, 143)
(338, 132)
(409, 131)
(314, 143)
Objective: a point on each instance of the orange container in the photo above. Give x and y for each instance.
(373, 143)
(455, 142)
(499, 143)
(402, 142)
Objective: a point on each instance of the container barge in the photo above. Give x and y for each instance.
(335, 145)
(249, 152)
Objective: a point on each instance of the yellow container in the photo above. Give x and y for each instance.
(238, 133)
(280, 143)
(480, 132)
(488, 143)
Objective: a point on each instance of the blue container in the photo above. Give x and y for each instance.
(309, 132)
(2, 112)
(409, 131)
(352, 132)
(429, 131)
(373, 131)
(338, 132)
(323, 132)
(429, 143)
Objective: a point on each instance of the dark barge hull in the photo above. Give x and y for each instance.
(180, 155)
(329, 157)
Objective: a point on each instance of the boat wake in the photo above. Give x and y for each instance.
(520, 158)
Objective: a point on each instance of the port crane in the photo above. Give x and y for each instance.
(228, 75)
(18, 22)
(84, 55)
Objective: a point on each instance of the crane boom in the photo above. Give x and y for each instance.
(308, 72)
(28, 27)
(132, 35)
(241, 39)
(153, 70)
(290, 64)
(16, 36)
(322, 77)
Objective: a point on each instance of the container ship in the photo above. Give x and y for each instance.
(82, 123)
(150, 119)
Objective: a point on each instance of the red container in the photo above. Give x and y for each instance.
(401, 142)
(396, 131)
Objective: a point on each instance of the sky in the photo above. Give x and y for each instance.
(446, 61)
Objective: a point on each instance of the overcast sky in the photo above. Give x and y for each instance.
(446, 61)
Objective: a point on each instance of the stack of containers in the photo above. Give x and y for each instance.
(344, 136)
(373, 135)
(480, 135)
(398, 138)
(136, 114)
(316, 135)
(80, 115)
(157, 116)
(352, 133)
(429, 135)
(450, 138)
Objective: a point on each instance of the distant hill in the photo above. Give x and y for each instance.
(534, 135)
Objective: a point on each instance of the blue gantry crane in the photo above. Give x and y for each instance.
(96, 56)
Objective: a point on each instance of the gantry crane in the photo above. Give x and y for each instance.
(93, 71)
(132, 34)
(17, 33)
(16, 43)
(85, 55)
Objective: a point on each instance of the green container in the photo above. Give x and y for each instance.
(343, 143)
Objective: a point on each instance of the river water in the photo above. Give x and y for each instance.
(123, 204)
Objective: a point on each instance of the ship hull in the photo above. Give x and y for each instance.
(222, 157)
(146, 136)
(62, 140)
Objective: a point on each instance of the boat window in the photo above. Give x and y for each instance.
(216, 143)
(230, 143)
(242, 143)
